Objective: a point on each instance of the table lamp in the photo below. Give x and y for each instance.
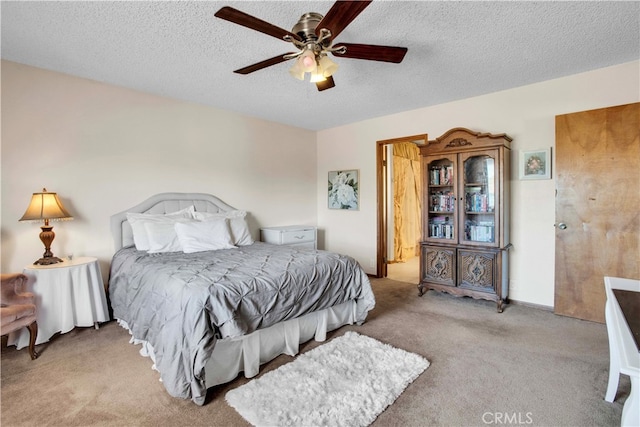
(46, 206)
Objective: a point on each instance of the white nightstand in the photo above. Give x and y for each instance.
(303, 236)
(68, 294)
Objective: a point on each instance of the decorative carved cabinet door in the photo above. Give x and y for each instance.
(439, 265)
(477, 270)
(466, 215)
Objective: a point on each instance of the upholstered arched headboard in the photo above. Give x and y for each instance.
(161, 204)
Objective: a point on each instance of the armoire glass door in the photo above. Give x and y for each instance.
(441, 193)
(479, 188)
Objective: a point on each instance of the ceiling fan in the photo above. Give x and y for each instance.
(313, 36)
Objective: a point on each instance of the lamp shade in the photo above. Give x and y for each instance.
(317, 75)
(328, 66)
(307, 61)
(297, 71)
(45, 206)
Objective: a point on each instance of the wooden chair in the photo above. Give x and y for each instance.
(17, 308)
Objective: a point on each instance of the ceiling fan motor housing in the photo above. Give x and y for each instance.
(305, 28)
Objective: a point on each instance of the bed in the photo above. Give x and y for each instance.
(205, 311)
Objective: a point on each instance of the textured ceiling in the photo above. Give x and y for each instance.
(456, 50)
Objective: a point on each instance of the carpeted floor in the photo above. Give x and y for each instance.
(524, 366)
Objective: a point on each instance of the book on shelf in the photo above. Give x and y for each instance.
(476, 201)
(443, 201)
(441, 230)
(441, 175)
(480, 233)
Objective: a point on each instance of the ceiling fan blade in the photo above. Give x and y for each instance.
(263, 64)
(325, 84)
(372, 52)
(237, 17)
(340, 15)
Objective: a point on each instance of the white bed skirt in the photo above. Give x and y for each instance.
(246, 353)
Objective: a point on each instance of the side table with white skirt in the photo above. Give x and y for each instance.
(68, 294)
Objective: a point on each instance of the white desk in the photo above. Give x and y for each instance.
(623, 352)
(68, 294)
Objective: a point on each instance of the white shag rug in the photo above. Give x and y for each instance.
(348, 381)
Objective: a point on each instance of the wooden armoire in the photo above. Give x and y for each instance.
(464, 250)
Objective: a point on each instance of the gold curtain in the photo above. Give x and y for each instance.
(407, 201)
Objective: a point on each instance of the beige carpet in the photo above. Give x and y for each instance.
(525, 366)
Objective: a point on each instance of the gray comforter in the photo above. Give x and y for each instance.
(181, 303)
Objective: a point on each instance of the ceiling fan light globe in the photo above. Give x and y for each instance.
(297, 71)
(315, 78)
(307, 61)
(295, 74)
(328, 66)
(317, 75)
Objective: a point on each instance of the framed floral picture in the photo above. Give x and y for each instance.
(535, 164)
(344, 191)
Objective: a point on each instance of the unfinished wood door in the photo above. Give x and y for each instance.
(597, 206)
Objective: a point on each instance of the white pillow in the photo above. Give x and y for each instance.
(138, 220)
(162, 235)
(209, 235)
(237, 222)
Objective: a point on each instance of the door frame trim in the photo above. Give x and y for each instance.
(381, 196)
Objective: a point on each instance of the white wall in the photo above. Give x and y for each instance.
(103, 149)
(527, 114)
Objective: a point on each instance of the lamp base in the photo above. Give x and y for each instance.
(48, 260)
(47, 235)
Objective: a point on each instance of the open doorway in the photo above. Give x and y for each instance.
(399, 201)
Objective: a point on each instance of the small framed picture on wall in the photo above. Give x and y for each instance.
(344, 191)
(535, 164)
